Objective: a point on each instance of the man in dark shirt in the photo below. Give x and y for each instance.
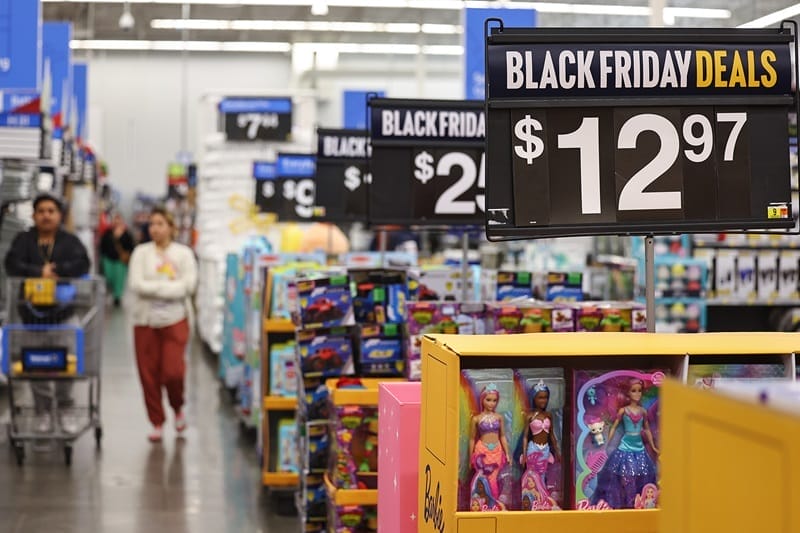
(48, 251)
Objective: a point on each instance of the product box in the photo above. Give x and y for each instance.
(442, 284)
(746, 276)
(324, 352)
(382, 350)
(680, 316)
(282, 292)
(679, 278)
(725, 275)
(315, 396)
(440, 317)
(388, 259)
(398, 463)
(531, 317)
(353, 518)
(789, 275)
(288, 461)
(354, 457)
(505, 285)
(768, 269)
(616, 436)
(324, 302)
(318, 448)
(610, 317)
(380, 296)
(564, 287)
(283, 370)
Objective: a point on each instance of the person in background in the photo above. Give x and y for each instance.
(116, 246)
(162, 277)
(48, 251)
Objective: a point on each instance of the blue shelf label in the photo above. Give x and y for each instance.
(20, 120)
(256, 105)
(20, 44)
(263, 170)
(296, 165)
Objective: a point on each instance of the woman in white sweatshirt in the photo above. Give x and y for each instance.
(162, 278)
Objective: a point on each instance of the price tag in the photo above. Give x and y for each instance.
(294, 186)
(648, 132)
(265, 173)
(256, 119)
(343, 175)
(428, 164)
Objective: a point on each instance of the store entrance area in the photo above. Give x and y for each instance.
(207, 482)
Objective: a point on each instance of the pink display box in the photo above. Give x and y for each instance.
(398, 462)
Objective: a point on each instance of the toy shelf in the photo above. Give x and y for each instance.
(343, 497)
(444, 357)
(278, 325)
(279, 403)
(706, 437)
(367, 396)
(280, 479)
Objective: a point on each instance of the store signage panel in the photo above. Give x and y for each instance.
(80, 72)
(267, 200)
(56, 37)
(256, 119)
(427, 164)
(20, 44)
(342, 175)
(295, 186)
(651, 132)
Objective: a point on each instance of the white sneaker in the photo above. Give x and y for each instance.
(69, 423)
(43, 424)
(155, 434)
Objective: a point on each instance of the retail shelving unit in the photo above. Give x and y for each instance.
(444, 356)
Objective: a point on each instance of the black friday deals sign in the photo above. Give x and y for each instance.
(342, 175)
(427, 163)
(637, 132)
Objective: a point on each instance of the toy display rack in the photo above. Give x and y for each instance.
(444, 356)
(727, 463)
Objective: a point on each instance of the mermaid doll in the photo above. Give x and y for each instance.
(488, 452)
(629, 469)
(540, 450)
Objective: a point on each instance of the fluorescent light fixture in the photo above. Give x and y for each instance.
(258, 46)
(303, 25)
(773, 18)
(447, 5)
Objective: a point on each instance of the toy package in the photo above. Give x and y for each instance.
(616, 439)
(610, 316)
(318, 447)
(564, 287)
(288, 461)
(486, 480)
(540, 397)
(439, 317)
(324, 302)
(283, 293)
(531, 317)
(380, 296)
(353, 519)
(315, 399)
(504, 285)
(680, 278)
(354, 458)
(442, 284)
(282, 372)
(326, 352)
(768, 268)
(381, 352)
(316, 498)
(680, 316)
(706, 376)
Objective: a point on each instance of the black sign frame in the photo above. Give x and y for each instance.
(340, 204)
(501, 193)
(276, 126)
(379, 146)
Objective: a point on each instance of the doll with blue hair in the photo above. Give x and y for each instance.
(488, 452)
(540, 450)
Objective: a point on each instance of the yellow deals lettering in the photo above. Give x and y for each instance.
(745, 69)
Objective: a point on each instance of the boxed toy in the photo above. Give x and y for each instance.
(768, 276)
(789, 275)
(680, 316)
(353, 519)
(486, 480)
(354, 457)
(724, 274)
(315, 399)
(746, 276)
(531, 317)
(680, 278)
(316, 498)
(282, 292)
(288, 461)
(317, 448)
(540, 395)
(380, 296)
(564, 287)
(706, 376)
(505, 285)
(440, 317)
(610, 316)
(381, 350)
(324, 302)
(283, 372)
(326, 352)
(442, 284)
(615, 436)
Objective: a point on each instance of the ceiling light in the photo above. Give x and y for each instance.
(303, 25)
(448, 5)
(126, 20)
(319, 8)
(773, 18)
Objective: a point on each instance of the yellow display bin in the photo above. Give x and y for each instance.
(727, 464)
(444, 356)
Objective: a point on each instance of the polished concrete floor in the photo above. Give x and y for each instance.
(207, 482)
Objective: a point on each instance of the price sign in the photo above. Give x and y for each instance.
(256, 119)
(295, 186)
(635, 136)
(265, 173)
(342, 175)
(428, 165)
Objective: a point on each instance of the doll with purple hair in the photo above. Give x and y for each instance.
(488, 452)
(540, 450)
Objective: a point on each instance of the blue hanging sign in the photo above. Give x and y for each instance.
(20, 44)
(80, 73)
(474, 43)
(55, 45)
(355, 108)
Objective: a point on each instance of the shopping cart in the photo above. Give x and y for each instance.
(52, 343)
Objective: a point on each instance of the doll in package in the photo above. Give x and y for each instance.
(486, 417)
(541, 393)
(616, 434)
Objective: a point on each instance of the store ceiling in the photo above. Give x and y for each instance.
(100, 20)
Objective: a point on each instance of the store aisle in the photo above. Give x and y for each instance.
(208, 482)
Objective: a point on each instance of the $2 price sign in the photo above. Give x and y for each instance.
(451, 180)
